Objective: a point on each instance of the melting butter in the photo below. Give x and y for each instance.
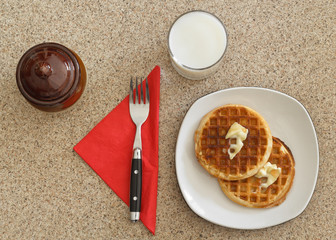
(239, 133)
(269, 171)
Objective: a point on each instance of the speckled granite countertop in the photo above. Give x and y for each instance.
(48, 192)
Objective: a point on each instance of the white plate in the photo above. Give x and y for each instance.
(288, 120)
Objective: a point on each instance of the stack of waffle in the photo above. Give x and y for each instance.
(237, 176)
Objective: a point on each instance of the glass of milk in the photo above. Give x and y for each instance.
(197, 42)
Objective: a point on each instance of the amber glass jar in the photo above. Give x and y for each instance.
(51, 77)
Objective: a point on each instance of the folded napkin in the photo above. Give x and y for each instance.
(108, 150)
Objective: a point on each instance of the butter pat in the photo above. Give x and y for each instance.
(269, 171)
(239, 133)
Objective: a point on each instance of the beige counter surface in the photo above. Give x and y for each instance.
(48, 192)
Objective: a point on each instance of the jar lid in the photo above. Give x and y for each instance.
(47, 74)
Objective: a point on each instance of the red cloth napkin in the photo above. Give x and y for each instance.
(107, 149)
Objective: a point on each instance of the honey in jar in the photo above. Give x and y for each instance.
(51, 77)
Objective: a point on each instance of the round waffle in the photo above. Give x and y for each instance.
(211, 147)
(248, 192)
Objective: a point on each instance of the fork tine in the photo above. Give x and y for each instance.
(142, 96)
(136, 91)
(131, 95)
(147, 91)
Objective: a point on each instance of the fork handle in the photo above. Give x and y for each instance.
(136, 185)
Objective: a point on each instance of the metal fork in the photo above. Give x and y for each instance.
(139, 110)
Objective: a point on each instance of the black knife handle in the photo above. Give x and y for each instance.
(136, 185)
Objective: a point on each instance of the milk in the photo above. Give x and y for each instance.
(197, 42)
